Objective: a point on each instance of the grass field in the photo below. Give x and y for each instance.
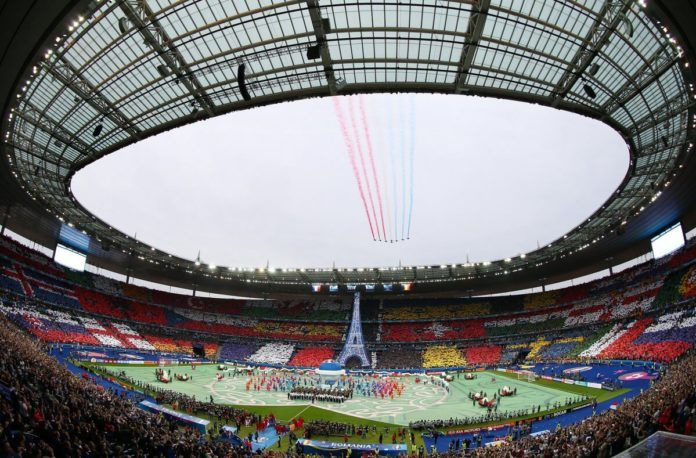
(418, 401)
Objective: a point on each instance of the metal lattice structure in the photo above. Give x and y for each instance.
(129, 69)
(354, 346)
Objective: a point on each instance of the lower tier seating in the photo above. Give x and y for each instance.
(483, 355)
(442, 356)
(311, 356)
(272, 353)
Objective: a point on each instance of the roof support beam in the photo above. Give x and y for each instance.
(39, 152)
(652, 168)
(140, 15)
(320, 31)
(656, 66)
(679, 104)
(474, 31)
(35, 117)
(68, 76)
(608, 20)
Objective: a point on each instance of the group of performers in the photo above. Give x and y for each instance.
(301, 386)
(165, 376)
(338, 395)
(162, 375)
(481, 398)
(380, 387)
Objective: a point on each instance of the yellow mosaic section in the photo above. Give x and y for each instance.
(435, 312)
(540, 300)
(443, 356)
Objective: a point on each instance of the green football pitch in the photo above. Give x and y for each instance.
(418, 401)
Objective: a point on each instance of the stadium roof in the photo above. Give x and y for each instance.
(110, 73)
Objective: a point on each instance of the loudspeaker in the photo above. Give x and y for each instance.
(198, 350)
(314, 52)
(242, 83)
(326, 25)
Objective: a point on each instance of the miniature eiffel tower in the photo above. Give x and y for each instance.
(354, 345)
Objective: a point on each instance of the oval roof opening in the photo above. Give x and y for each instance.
(457, 178)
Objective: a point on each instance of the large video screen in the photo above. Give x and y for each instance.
(667, 241)
(70, 258)
(73, 238)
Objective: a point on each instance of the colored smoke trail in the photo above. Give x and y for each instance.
(402, 131)
(356, 134)
(392, 157)
(371, 157)
(412, 115)
(381, 147)
(351, 154)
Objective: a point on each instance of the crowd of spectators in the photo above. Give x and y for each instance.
(443, 356)
(311, 356)
(399, 358)
(272, 353)
(328, 428)
(669, 405)
(46, 411)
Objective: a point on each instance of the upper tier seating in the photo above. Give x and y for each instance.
(144, 313)
(540, 300)
(299, 310)
(98, 303)
(430, 331)
(687, 286)
(430, 312)
(552, 325)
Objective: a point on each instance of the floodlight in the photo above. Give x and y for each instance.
(123, 25)
(98, 130)
(163, 70)
(589, 91)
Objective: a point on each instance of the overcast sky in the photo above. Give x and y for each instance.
(491, 178)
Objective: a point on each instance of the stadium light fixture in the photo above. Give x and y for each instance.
(98, 130)
(123, 25)
(163, 71)
(589, 91)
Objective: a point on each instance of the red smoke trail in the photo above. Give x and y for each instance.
(356, 134)
(351, 154)
(372, 162)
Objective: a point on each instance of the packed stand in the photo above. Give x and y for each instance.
(311, 356)
(46, 411)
